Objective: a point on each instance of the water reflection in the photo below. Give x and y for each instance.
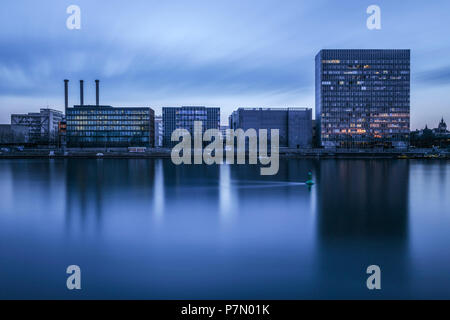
(150, 229)
(95, 188)
(362, 220)
(363, 199)
(158, 193)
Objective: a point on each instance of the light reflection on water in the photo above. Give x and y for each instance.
(149, 229)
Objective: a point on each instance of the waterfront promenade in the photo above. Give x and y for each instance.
(284, 153)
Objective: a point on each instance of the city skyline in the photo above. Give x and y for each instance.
(174, 54)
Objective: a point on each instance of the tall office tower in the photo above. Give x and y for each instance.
(184, 117)
(363, 98)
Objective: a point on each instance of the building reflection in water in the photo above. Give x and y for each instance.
(362, 219)
(158, 191)
(228, 200)
(44, 179)
(153, 229)
(95, 188)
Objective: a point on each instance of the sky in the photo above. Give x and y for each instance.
(218, 53)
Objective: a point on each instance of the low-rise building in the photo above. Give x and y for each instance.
(294, 124)
(184, 118)
(104, 126)
(42, 127)
(110, 127)
(13, 134)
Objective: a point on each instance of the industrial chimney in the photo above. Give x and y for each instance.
(66, 95)
(81, 92)
(97, 92)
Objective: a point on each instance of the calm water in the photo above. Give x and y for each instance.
(149, 229)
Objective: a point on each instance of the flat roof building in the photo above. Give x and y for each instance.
(363, 98)
(294, 124)
(13, 135)
(103, 126)
(184, 117)
(106, 126)
(42, 127)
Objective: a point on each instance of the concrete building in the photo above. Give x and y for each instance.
(363, 98)
(158, 132)
(294, 124)
(103, 126)
(42, 127)
(13, 135)
(184, 117)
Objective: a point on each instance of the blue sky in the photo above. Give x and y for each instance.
(217, 53)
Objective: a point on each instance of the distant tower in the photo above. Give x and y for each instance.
(97, 93)
(81, 92)
(442, 128)
(66, 95)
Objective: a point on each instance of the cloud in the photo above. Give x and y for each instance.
(230, 53)
(435, 76)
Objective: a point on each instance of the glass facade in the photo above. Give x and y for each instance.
(184, 117)
(363, 98)
(105, 126)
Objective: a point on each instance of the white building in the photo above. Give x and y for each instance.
(42, 127)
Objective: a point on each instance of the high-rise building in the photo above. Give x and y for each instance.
(42, 127)
(184, 117)
(363, 98)
(294, 124)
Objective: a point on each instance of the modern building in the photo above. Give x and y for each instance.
(158, 132)
(105, 126)
(363, 98)
(294, 124)
(184, 117)
(42, 127)
(109, 127)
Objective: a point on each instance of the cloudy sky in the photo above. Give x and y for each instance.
(222, 53)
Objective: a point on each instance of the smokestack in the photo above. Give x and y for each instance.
(81, 92)
(66, 95)
(97, 92)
